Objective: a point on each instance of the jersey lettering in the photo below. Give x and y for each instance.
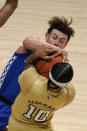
(30, 111)
(40, 116)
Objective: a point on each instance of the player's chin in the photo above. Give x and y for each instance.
(55, 89)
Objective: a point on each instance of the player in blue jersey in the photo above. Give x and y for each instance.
(56, 40)
(5, 12)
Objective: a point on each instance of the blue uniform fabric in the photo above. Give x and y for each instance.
(1, 129)
(9, 87)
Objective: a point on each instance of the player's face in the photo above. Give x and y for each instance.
(54, 88)
(57, 38)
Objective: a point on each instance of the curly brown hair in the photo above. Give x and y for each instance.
(61, 24)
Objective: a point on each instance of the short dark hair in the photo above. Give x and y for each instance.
(61, 24)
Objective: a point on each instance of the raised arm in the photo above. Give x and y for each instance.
(7, 10)
(50, 51)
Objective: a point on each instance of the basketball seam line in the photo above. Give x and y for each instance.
(41, 67)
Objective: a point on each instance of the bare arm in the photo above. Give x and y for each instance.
(31, 43)
(41, 52)
(7, 10)
(31, 60)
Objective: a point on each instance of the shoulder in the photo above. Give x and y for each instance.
(28, 74)
(70, 88)
(21, 49)
(28, 77)
(70, 93)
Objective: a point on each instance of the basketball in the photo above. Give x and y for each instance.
(43, 67)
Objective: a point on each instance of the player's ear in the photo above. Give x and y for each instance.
(46, 36)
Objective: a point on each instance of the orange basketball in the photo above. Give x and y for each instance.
(43, 67)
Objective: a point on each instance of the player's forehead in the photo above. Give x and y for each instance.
(59, 34)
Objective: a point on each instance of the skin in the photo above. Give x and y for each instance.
(57, 38)
(55, 43)
(54, 88)
(7, 10)
(54, 40)
(30, 62)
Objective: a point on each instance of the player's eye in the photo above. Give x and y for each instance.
(62, 41)
(54, 38)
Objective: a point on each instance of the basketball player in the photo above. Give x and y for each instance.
(40, 97)
(58, 32)
(5, 12)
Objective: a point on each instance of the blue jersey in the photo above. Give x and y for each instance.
(9, 87)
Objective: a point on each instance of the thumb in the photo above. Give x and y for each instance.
(47, 58)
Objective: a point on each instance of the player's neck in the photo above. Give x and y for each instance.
(52, 87)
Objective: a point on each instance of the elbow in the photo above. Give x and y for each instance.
(26, 43)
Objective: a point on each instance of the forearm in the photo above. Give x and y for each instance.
(31, 60)
(34, 44)
(7, 10)
(50, 50)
